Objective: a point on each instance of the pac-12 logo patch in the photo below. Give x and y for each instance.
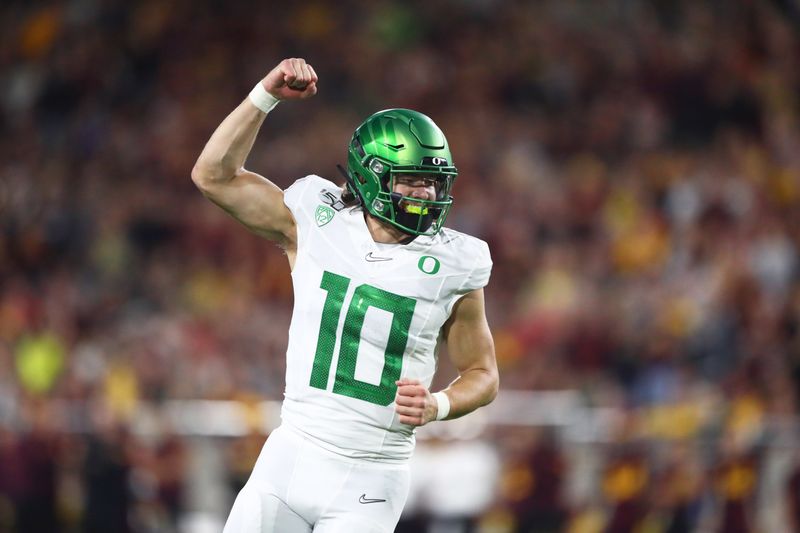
(324, 215)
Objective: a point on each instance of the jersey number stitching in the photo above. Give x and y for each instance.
(364, 297)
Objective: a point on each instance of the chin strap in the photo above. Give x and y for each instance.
(344, 172)
(348, 181)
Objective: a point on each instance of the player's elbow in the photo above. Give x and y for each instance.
(492, 385)
(488, 384)
(206, 176)
(201, 176)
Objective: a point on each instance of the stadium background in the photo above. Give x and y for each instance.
(635, 167)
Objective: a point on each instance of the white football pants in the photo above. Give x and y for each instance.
(298, 487)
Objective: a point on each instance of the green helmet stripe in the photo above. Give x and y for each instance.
(391, 134)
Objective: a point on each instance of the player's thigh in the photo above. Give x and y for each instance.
(352, 522)
(369, 500)
(258, 510)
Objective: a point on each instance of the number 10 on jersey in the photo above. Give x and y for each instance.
(364, 297)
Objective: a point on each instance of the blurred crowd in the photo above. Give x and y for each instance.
(634, 166)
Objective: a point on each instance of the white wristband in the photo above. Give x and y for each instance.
(262, 99)
(444, 405)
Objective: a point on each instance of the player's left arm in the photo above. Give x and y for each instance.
(471, 350)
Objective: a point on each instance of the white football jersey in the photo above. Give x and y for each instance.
(365, 315)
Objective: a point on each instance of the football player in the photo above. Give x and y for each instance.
(379, 282)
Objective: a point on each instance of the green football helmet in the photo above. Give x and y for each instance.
(395, 142)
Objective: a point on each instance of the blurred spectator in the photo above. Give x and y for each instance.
(30, 462)
(626, 482)
(533, 485)
(107, 467)
(10, 478)
(40, 359)
(241, 455)
(793, 498)
(677, 493)
(452, 484)
(169, 494)
(735, 482)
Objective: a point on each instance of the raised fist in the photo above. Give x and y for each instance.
(292, 79)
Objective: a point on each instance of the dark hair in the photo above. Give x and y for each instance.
(348, 198)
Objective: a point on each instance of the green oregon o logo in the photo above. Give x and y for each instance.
(429, 264)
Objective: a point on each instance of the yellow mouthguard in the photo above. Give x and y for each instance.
(416, 209)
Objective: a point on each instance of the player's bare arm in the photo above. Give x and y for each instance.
(471, 349)
(219, 171)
